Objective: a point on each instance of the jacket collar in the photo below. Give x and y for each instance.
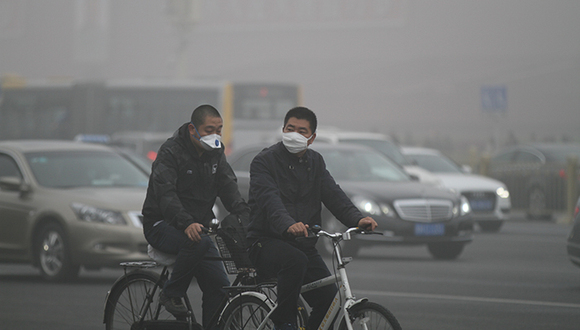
(281, 150)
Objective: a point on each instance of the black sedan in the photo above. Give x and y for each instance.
(574, 238)
(407, 211)
(535, 176)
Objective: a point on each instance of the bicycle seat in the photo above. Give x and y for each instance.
(159, 257)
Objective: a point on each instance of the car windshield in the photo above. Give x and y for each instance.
(385, 147)
(561, 153)
(362, 165)
(143, 163)
(70, 169)
(435, 164)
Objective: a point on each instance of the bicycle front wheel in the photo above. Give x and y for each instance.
(370, 316)
(132, 298)
(246, 313)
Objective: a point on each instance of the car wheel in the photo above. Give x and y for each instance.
(537, 205)
(490, 226)
(348, 248)
(53, 254)
(445, 250)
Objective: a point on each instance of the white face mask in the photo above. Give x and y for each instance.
(295, 142)
(210, 142)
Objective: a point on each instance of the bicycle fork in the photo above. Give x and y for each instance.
(343, 290)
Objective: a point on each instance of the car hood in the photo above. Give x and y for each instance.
(423, 175)
(469, 182)
(121, 199)
(390, 191)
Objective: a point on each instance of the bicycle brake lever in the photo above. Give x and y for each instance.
(315, 229)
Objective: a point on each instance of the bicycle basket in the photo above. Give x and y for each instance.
(232, 245)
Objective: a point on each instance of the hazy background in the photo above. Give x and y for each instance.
(419, 70)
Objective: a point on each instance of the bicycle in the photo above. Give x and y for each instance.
(132, 302)
(247, 312)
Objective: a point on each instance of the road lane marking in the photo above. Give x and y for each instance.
(466, 298)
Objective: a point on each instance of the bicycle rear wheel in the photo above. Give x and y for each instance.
(246, 312)
(370, 316)
(132, 298)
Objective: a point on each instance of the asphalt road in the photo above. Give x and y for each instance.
(519, 278)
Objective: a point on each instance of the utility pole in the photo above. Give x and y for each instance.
(183, 14)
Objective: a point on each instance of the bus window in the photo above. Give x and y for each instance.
(154, 109)
(38, 114)
(62, 110)
(264, 101)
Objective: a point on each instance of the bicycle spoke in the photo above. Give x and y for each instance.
(248, 314)
(371, 316)
(132, 302)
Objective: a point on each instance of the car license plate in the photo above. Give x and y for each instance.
(481, 205)
(429, 229)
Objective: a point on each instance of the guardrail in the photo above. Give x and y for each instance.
(539, 190)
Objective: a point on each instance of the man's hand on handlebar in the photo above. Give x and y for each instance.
(194, 231)
(367, 223)
(298, 229)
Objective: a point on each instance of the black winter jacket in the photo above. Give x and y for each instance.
(183, 186)
(285, 189)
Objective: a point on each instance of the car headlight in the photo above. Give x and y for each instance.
(366, 205)
(502, 192)
(463, 208)
(94, 214)
(387, 210)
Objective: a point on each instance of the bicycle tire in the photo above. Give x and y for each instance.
(370, 316)
(246, 312)
(126, 302)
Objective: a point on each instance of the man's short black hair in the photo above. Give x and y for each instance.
(302, 113)
(204, 110)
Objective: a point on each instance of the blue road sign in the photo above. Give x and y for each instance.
(494, 98)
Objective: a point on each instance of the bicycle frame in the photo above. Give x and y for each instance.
(155, 308)
(340, 278)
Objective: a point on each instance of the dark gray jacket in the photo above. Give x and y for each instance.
(183, 186)
(285, 189)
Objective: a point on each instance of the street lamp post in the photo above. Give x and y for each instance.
(183, 14)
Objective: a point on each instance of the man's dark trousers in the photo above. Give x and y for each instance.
(210, 274)
(293, 267)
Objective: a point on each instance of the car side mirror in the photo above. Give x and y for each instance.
(12, 183)
(414, 177)
(466, 169)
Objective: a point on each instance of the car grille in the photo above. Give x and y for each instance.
(481, 201)
(424, 210)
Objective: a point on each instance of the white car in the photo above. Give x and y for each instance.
(381, 143)
(489, 198)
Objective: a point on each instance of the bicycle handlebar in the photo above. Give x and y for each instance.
(317, 230)
(213, 227)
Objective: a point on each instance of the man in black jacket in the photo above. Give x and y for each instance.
(288, 184)
(190, 171)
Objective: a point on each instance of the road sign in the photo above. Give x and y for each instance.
(494, 98)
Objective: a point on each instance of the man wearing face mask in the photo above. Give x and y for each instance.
(288, 184)
(187, 176)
